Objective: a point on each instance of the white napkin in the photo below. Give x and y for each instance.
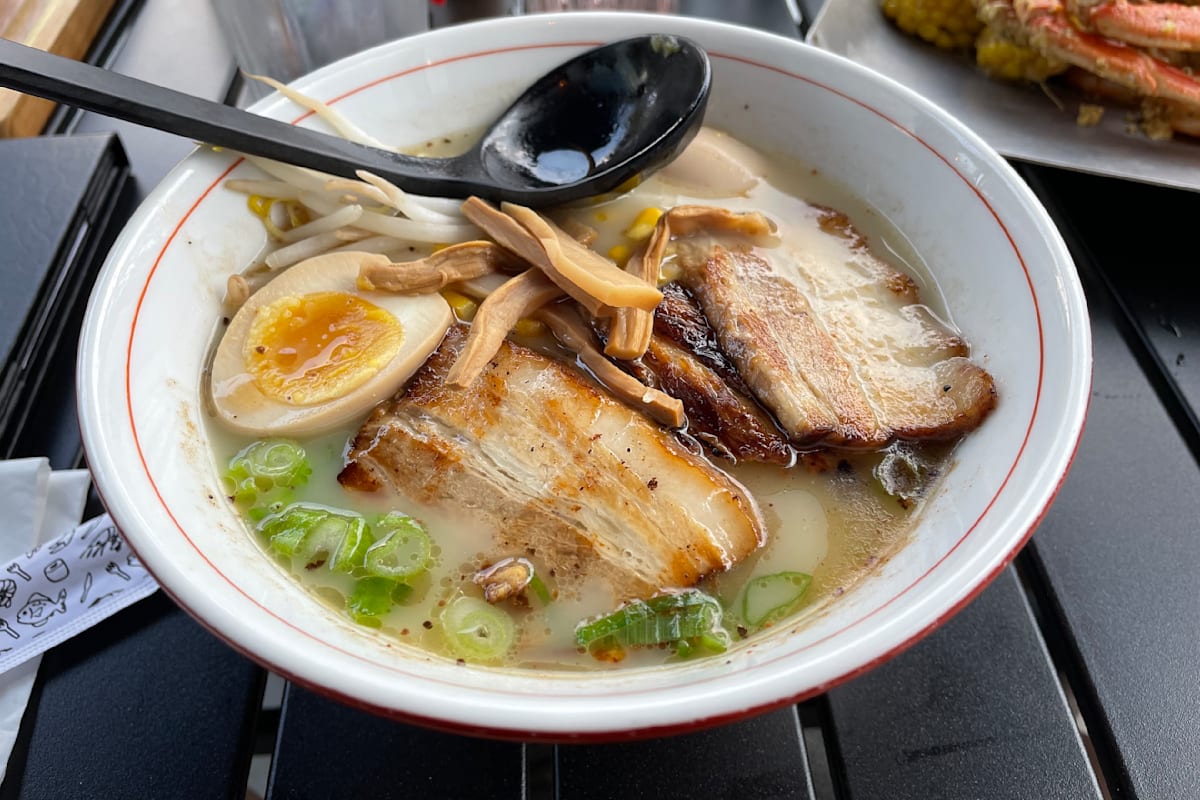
(46, 557)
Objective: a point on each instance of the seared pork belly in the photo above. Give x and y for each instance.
(680, 320)
(685, 361)
(560, 472)
(834, 342)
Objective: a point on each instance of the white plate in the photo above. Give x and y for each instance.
(999, 262)
(1019, 121)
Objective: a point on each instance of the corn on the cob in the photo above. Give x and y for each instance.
(949, 24)
(1002, 57)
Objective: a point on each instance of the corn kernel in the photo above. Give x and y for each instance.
(440, 246)
(260, 206)
(643, 224)
(529, 327)
(263, 208)
(620, 254)
(464, 307)
(601, 216)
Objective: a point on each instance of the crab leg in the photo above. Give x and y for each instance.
(1052, 32)
(1169, 26)
(1098, 88)
(1001, 15)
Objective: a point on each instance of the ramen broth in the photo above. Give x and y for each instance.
(833, 521)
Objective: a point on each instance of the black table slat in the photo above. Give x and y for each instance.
(146, 704)
(1119, 550)
(325, 750)
(974, 710)
(754, 759)
(1134, 230)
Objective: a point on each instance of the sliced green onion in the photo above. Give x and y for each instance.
(286, 530)
(401, 593)
(770, 597)
(324, 539)
(351, 552)
(477, 631)
(373, 597)
(689, 617)
(402, 549)
(263, 471)
(281, 499)
(708, 644)
(684, 649)
(539, 588)
(270, 463)
(370, 600)
(316, 535)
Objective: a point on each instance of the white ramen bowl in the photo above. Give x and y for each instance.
(1005, 274)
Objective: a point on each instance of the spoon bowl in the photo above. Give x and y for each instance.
(604, 118)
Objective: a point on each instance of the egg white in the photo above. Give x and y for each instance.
(242, 407)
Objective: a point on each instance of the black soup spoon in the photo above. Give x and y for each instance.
(585, 128)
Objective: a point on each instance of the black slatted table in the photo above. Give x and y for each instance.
(1074, 675)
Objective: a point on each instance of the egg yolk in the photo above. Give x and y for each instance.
(318, 347)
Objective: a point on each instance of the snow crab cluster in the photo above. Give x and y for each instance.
(1129, 50)
(1135, 53)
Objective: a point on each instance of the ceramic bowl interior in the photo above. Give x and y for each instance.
(1002, 268)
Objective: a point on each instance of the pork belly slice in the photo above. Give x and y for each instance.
(559, 471)
(834, 342)
(685, 361)
(679, 319)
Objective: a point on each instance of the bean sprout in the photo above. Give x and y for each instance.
(345, 128)
(369, 215)
(340, 218)
(405, 203)
(303, 178)
(277, 190)
(376, 244)
(399, 227)
(313, 246)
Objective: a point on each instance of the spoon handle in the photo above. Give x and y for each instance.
(111, 94)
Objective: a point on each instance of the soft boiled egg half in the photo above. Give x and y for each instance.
(311, 351)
